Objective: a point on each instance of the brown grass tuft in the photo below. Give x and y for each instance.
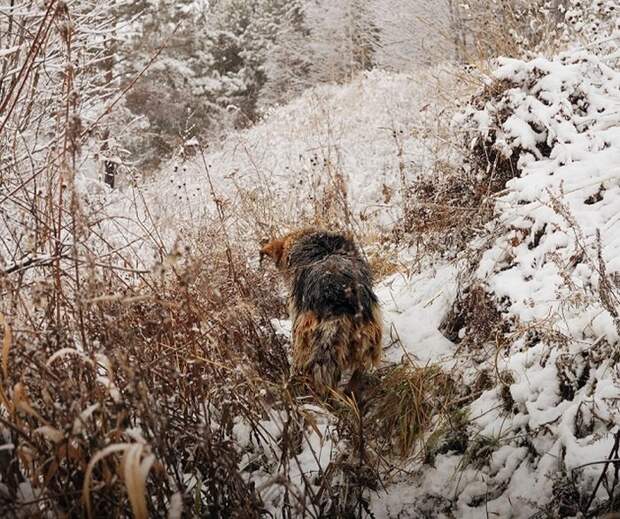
(474, 321)
(409, 403)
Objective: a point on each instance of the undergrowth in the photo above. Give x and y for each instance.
(137, 407)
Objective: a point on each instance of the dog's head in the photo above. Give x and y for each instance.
(273, 249)
(278, 250)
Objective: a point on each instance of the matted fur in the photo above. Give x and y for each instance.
(335, 313)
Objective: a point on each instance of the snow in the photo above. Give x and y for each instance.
(413, 308)
(284, 163)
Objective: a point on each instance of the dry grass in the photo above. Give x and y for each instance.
(409, 403)
(119, 386)
(518, 28)
(165, 369)
(446, 209)
(383, 263)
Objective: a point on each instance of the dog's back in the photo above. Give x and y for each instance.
(330, 278)
(335, 313)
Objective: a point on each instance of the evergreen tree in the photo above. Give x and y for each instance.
(344, 38)
(220, 64)
(288, 61)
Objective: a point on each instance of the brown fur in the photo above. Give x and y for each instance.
(278, 250)
(324, 348)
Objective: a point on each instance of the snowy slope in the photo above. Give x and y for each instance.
(550, 405)
(284, 164)
(553, 271)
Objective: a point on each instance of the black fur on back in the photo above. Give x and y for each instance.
(330, 277)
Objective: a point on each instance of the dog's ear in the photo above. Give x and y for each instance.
(274, 249)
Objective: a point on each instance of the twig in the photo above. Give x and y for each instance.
(37, 261)
(612, 458)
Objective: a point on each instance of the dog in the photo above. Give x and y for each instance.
(335, 314)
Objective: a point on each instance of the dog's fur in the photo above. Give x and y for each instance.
(335, 313)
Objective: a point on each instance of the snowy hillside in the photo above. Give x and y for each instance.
(526, 321)
(549, 417)
(147, 151)
(369, 138)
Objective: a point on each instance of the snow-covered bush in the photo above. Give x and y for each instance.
(546, 265)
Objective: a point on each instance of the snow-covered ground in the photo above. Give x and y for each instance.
(552, 403)
(413, 309)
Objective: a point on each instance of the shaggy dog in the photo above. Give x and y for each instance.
(334, 311)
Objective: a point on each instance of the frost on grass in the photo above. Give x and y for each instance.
(335, 154)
